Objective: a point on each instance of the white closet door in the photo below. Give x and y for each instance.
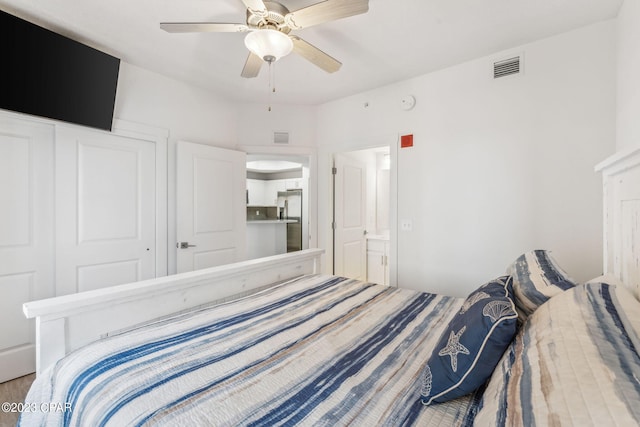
(26, 237)
(211, 206)
(105, 210)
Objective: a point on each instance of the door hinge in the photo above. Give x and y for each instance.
(334, 171)
(333, 225)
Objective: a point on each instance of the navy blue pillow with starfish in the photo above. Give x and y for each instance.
(472, 344)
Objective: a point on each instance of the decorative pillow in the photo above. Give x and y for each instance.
(572, 363)
(536, 278)
(472, 344)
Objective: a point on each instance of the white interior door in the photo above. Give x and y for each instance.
(26, 237)
(105, 210)
(211, 206)
(349, 246)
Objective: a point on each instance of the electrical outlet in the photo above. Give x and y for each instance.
(406, 225)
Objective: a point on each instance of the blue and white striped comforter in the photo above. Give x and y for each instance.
(575, 362)
(319, 350)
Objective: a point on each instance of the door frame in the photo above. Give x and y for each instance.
(393, 208)
(312, 198)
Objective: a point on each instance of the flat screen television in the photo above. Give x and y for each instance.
(46, 74)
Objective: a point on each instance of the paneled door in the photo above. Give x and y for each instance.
(349, 243)
(26, 237)
(211, 206)
(105, 210)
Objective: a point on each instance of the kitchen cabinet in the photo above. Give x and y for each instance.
(265, 192)
(271, 189)
(378, 259)
(293, 184)
(256, 191)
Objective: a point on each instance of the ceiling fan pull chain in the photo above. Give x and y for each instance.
(273, 79)
(270, 83)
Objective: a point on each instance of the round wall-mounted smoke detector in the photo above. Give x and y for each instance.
(407, 102)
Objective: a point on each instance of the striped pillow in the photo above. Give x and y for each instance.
(573, 363)
(536, 278)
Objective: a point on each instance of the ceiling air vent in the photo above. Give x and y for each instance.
(506, 67)
(281, 137)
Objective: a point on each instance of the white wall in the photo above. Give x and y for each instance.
(628, 102)
(256, 124)
(190, 113)
(498, 167)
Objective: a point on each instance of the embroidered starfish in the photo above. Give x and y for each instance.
(454, 347)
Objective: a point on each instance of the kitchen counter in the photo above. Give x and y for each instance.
(266, 237)
(270, 221)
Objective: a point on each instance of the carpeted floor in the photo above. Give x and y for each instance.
(13, 392)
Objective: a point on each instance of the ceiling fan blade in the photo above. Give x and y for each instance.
(252, 66)
(255, 5)
(328, 10)
(203, 27)
(315, 55)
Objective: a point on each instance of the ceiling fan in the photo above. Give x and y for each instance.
(269, 25)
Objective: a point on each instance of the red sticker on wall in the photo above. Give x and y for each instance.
(406, 141)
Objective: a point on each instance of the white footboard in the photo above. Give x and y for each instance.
(66, 323)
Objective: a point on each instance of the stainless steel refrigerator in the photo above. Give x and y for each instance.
(290, 208)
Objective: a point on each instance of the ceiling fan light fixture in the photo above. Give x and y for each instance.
(270, 45)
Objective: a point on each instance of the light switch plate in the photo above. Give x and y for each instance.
(406, 225)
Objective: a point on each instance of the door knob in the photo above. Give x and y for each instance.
(184, 245)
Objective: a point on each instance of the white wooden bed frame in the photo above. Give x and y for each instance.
(68, 322)
(621, 228)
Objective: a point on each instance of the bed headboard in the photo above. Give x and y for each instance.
(621, 197)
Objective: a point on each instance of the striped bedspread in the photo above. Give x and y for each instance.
(319, 350)
(575, 362)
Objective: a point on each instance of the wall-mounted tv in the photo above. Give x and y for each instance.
(46, 74)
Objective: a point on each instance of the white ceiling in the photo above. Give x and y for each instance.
(267, 166)
(394, 41)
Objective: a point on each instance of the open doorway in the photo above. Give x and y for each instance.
(361, 214)
(277, 204)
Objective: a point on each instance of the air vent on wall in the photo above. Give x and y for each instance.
(506, 67)
(280, 137)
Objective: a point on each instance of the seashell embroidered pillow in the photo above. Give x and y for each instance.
(472, 344)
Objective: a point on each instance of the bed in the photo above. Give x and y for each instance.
(274, 342)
